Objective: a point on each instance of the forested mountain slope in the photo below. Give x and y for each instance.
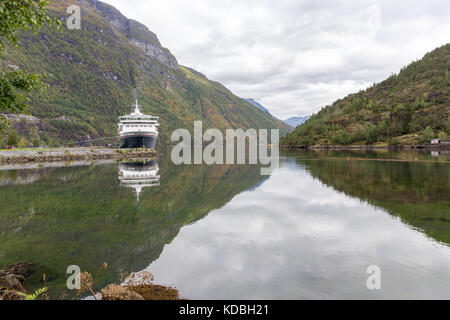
(94, 72)
(409, 108)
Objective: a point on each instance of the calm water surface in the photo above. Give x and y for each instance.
(309, 231)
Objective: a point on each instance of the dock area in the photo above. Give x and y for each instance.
(71, 154)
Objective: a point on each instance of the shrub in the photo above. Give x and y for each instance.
(36, 143)
(358, 135)
(442, 136)
(341, 137)
(394, 141)
(22, 143)
(12, 139)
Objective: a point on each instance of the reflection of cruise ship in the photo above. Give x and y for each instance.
(139, 175)
(138, 130)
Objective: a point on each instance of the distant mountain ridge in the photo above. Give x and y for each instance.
(296, 121)
(293, 121)
(94, 72)
(409, 108)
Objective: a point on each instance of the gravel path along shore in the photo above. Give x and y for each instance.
(70, 154)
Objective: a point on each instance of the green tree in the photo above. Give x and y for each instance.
(12, 139)
(341, 137)
(358, 135)
(22, 143)
(442, 136)
(16, 16)
(36, 143)
(371, 133)
(427, 135)
(304, 141)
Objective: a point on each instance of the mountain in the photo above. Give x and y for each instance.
(93, 74)
(257, 104)
(293, 122)
(296, 121)
(408, 108)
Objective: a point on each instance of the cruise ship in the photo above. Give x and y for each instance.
(139, 175)
(138, 130)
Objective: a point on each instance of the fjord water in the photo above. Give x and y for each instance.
(308, 231)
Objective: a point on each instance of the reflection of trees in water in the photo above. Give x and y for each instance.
(417, 192)
(91, 219)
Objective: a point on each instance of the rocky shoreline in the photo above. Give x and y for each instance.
(71, 154)
(12, 281)
(137, 286)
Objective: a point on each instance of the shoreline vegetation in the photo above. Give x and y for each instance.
(71, 154)
(430, 147)
(134, 286)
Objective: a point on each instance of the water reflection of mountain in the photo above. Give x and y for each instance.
(138, 175)
(91, 219)
(417, 192)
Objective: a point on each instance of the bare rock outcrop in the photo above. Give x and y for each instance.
(137, 33)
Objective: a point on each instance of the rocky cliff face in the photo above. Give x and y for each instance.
(137, 33)
(147, 41)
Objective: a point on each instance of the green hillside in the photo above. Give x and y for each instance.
(93, 74)
(408, 108)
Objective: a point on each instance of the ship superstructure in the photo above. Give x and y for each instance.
(138, 130)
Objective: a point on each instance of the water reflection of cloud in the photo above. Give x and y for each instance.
(295, 238)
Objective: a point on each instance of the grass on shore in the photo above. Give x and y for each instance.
(30, 149)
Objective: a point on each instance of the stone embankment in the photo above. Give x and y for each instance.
(71, 154)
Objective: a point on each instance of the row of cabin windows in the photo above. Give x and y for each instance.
(151, 119)
(137, 126)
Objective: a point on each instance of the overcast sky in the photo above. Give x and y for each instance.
(294, 56)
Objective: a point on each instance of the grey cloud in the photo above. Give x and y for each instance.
(295, 56)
